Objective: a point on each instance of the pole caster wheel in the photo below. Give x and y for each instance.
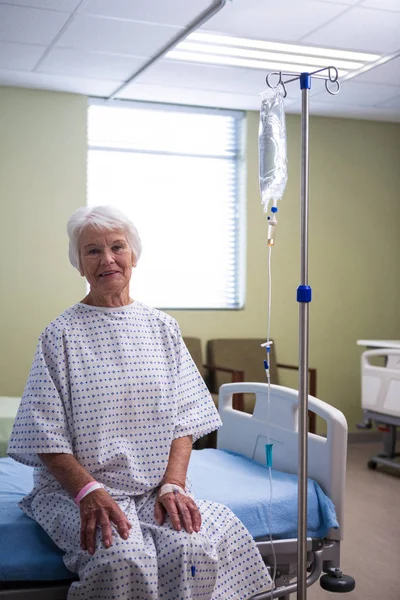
(335, 581)
(371, 464)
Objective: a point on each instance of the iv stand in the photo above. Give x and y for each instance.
(304, 298)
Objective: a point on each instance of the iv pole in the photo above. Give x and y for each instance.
(304, 293)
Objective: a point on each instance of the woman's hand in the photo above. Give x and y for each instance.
(98, 508)
(182, 511)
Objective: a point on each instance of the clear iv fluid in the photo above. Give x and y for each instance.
(272, 147)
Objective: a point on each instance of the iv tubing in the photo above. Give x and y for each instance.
(268, 419)
(269, 295)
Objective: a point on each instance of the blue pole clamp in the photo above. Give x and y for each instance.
(305, 81)
(304, 293)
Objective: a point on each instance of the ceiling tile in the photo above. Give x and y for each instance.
(347, 2)
(57, 5)
(78, 63)
(180, 74)
(42, 81)
(115, 36)
(30, 25)
(97, 53)
(382, 4)
(393, 103)
(22, 57)
(190, 97)
(363, 29)
(387, 73)
(271, 20)
(207, 77)
(171, 12)
(360, 94)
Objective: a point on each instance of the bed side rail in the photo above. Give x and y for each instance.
(276, 422)
(380, 385)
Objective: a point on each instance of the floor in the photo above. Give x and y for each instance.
(371, 546)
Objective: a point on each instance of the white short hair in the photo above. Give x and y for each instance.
(100, 217)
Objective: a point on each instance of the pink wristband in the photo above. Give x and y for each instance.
(92, 485)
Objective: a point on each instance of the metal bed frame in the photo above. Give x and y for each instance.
(388, 425)
(275, 420)
(380, 401)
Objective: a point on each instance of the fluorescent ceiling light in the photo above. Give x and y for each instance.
(226, 50)
(230, 61)
(377, 63)
(265, 56)
(227, 40)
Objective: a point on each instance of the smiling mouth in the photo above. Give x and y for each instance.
(108, 273)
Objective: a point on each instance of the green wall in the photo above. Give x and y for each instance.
(354, 254)
(42, 180)
(354, 240)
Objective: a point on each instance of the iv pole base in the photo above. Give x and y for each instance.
(335, 581)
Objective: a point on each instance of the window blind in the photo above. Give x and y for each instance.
(176, 173)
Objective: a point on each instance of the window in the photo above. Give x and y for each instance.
(176, 173)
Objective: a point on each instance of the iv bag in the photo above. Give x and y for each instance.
(272, 147)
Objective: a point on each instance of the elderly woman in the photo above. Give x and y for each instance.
(111, 408)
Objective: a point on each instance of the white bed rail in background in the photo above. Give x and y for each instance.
(380, 386)
(8, 411)
(9, 406)
(248, 434)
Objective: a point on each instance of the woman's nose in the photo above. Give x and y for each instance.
(107, 257)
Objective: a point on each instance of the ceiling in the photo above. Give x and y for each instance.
(93, 47)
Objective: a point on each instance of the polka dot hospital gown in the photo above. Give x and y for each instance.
(114, 387)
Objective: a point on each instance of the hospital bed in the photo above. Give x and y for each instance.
(31, 567)
(380, 400)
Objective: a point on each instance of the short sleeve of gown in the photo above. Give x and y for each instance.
(197, 414)
(41, 424)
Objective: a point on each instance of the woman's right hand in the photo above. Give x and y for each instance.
(99, 509)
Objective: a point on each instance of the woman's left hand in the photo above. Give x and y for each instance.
(182, 511)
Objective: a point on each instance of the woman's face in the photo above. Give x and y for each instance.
(106, 260)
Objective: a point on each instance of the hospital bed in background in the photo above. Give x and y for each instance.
(235, 474)
(380, 399)
(8, 410)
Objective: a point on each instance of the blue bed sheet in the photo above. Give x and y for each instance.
(27, 553)
(243, 485)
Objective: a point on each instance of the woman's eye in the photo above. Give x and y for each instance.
(116, 248)
(93, 251)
